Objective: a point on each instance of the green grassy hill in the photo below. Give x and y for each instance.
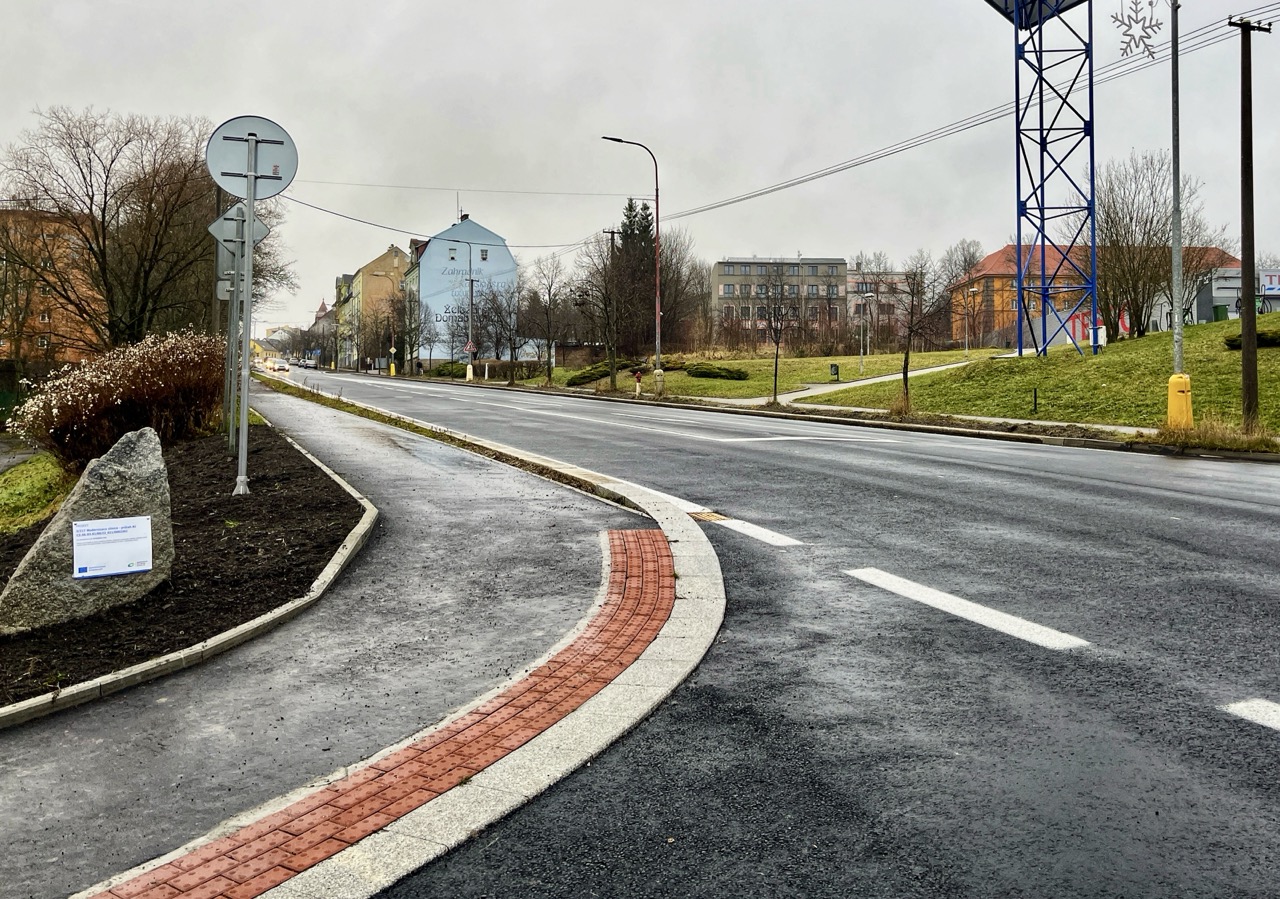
(1126, 384)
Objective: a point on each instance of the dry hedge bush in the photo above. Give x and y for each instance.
(169, 382)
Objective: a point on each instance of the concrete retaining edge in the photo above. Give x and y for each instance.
(37, 706)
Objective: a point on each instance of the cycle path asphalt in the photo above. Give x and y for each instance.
(496, 632)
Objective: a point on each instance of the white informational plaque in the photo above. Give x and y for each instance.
(111, 546)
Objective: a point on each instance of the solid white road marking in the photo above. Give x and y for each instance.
(971, 611)
(773, 538)
(1259, 711)
(764, 535)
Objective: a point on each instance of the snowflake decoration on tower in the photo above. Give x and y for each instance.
(1138, 26)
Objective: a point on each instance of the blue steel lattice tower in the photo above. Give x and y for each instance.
(1053, 86)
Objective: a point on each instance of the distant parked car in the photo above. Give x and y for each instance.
(277, 365)
(308, 363)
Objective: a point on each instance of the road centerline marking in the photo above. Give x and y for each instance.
(970, 611)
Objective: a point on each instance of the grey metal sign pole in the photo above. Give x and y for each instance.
(230, 231)
(246, 321)
(268, 146)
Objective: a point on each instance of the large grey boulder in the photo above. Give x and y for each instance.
(129, 481)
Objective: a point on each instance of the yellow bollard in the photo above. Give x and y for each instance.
(1180, 402)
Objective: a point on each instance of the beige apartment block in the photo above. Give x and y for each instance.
(811, 289)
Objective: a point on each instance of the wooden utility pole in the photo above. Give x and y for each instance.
(1248, 271)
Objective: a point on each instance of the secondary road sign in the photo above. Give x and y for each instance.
(226, 228)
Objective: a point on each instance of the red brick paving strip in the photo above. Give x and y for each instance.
(264, 854)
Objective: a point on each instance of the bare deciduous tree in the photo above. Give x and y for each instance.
(597, 295)
(123, 203)
(1134, 223)
(922, 308)
(504, 303)
(547, 318)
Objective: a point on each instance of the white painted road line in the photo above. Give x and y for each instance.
(971, 611)
(764, 535)
(1259, 711)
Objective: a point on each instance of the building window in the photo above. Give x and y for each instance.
(728, 313)
(864, 287)
(794, 312)
(484, 255)
(762, 312)
(833, 270)
(833, 312)
(813, 270)
(453, 254)
(728, 290)
(813, 290)
(44, 290)
(833, 290)
(745, 312)
(728, 269)
(42, 342)
(762, 269)
(793, 270)
(793, 290)
(44, 317)
(762, 290)
(813, 313)
(886, 309)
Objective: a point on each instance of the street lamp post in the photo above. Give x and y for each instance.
(657, 270)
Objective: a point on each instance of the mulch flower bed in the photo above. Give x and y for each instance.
(236, 557)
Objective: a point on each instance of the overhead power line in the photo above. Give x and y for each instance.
(1194, 41)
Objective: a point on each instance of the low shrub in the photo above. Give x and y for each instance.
(588, 375)
(707, 370)
(523, 369)
(170, 382)
(449, 370)
(1266, 337)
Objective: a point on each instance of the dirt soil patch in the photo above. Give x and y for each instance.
(236, 557)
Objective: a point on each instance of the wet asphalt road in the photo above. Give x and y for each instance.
(842, 740)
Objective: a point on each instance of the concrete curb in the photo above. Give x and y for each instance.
(97, 688)
(405, 845)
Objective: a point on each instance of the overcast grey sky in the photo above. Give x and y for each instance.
(504, 103)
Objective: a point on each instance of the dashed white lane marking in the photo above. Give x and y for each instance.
(1259, 711)
(970, 611)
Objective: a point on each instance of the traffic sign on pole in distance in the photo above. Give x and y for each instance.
(469, 348)
(277, 157)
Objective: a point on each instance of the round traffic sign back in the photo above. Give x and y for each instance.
(227, 156)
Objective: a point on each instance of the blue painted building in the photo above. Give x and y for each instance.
(445, 270)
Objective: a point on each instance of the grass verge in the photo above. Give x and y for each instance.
(32, 491)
